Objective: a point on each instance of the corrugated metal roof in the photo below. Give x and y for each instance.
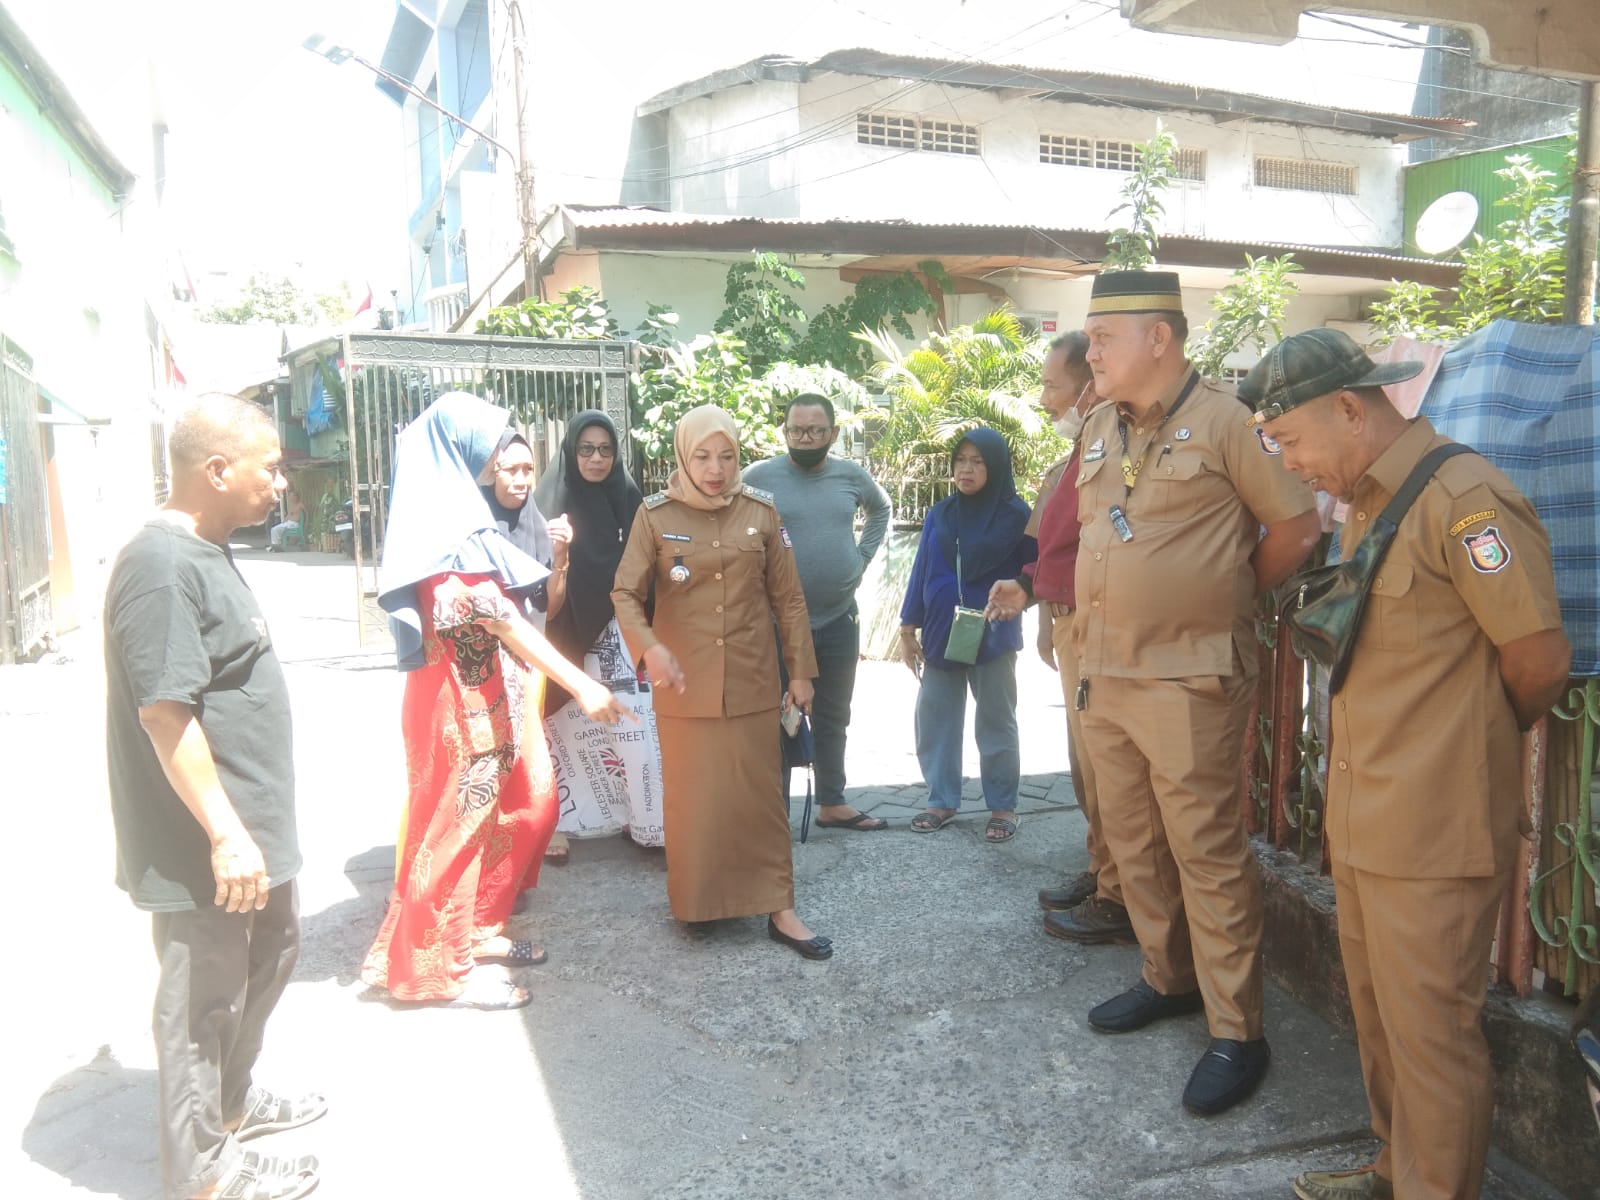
(1089, 87)
(596, 218)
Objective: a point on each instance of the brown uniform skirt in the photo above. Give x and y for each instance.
(728, 846)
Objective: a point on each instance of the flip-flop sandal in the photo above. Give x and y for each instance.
(999, 830)
(929, 821)
(522, 953)
(559, 851)
(860, 822)
(272, 1114)
(265, 1177)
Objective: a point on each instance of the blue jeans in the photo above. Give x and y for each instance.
(941, 721)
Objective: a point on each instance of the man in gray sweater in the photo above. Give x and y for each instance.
(818, 496)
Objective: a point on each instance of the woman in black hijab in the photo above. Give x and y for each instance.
(606, 783)
(589, 486)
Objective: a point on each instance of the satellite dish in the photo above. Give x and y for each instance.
(1446, 223)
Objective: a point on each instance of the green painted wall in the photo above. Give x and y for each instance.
(21, 107)
(1475, 173)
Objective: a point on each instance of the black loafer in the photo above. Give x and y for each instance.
(1227, 1073)
(1140, 1005)
(816, 947)
(1093, 923)
(1069, 895)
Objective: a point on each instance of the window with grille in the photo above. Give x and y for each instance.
(1190, 164)
(1064, 151)
(1115, 156)
(1306, 175)
(886, 129)
(949, 137)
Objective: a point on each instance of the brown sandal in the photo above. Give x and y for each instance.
(999, 830)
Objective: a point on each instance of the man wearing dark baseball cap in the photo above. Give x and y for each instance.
(1462, 633)
(1309, 365)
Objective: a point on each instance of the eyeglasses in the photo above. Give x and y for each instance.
(807, 433)
(588, 451)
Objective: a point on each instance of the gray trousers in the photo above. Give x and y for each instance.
(221, 976)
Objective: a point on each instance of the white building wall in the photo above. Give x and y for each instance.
(693, 286)
(722, 151)
(822, 171)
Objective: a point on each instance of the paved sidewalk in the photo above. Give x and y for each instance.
(942, 1052)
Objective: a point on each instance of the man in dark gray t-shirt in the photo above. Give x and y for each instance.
(818, 496)
(200, 757)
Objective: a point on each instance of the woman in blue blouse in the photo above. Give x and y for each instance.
(980, 527)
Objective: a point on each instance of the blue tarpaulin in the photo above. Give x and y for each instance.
(1527, 397)
(321, 415)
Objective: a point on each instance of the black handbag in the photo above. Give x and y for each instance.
(1324, 606)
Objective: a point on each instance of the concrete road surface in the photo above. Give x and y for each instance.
(942, 1052)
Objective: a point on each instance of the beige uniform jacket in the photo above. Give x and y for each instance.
(1424, 778)
(1169, 603)
(718, 621)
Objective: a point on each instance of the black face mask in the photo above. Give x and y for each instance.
(808, 458)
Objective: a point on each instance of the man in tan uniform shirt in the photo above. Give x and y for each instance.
(1173, 494)
(1460, 650)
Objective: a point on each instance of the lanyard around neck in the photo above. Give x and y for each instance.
(1131, 466)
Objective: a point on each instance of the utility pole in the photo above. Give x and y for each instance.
(527, 210)
(1583, 227)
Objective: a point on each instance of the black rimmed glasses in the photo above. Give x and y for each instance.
(589, 451)
(807, 433)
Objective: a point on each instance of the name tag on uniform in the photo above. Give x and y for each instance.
(1096, 451)
(676, 537)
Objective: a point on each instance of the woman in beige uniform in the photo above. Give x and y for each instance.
(723, 570)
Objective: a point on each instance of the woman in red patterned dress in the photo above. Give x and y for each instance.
(482, 802)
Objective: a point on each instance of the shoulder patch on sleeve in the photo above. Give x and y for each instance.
(756, 493)
(1488, 551)
(656, 500)
(1460, 526)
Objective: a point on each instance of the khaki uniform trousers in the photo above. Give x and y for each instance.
(1107, 884)
(1416, 956)
(1166, 758)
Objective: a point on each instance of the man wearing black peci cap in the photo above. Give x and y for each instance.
(1173, 493)
(1461, 634)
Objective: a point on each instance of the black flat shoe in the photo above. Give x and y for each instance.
(816, 947)
(1139, 1006)
(1227, 1073)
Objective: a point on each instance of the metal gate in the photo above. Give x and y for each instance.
(392, 377)
(25, 613)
